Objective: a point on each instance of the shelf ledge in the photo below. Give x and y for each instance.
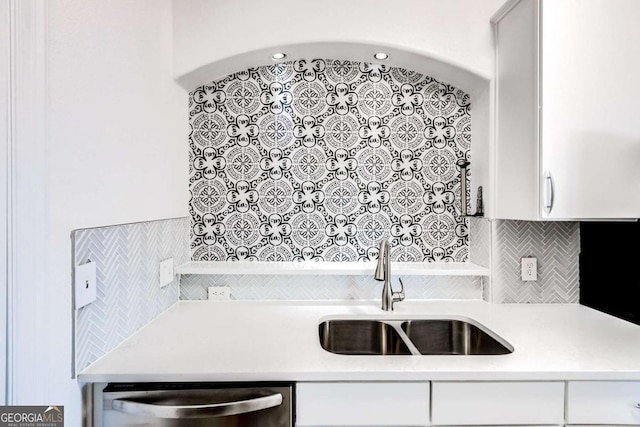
(334, 268)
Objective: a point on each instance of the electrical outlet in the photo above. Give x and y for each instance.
(85, 284)
(529, 269)
(166, 272)
(219, 293)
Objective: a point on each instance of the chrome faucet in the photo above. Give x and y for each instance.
(383, 273)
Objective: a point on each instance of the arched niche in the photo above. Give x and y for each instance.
(440, 68)
(478, 86)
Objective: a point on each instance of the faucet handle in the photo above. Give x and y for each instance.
(399, 296)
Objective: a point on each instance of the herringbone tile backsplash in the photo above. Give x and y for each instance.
(555, 244)
(480, 241)
(127, 261)
(323, 287)
(480, 249)
(498, 244)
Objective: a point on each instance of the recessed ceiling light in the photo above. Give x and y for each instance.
(381, 56)
(278, 56)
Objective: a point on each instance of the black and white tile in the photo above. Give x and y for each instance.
(320, 159)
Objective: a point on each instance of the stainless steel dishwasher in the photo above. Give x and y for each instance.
(198, 405)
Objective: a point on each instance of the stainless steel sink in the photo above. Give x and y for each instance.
(447, 336)
(361, 337)
(409, 336)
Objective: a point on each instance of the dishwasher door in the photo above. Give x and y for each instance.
(197, 405)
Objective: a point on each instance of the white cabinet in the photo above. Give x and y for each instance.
(468, 403)
(362, 404)
(567, 123)
(425, 404)
(497, 403)
(603, 402)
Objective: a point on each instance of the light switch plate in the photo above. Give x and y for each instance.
(529, 269)
(85, 284)
(219, 293)
(166, 272)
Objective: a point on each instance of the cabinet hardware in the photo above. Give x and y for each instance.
(548, 193)
(197, 410)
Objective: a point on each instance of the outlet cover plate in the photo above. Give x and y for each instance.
(166, 272)
(219, 293)
(529, 269)
(85, 284)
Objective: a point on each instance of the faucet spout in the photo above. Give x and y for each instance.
(383, 273)
(382, 269)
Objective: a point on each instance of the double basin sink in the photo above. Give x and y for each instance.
(410, 336)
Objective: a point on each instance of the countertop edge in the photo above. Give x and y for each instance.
(363, 377)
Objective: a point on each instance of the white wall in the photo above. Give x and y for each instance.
(4, 194)
(28, 345)
(450, 40)
(116, 124)
(206, 32)
(116, 152)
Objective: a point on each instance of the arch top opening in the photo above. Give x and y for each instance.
(457, 75)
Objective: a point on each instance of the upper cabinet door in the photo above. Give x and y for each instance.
(591, 106)
(516, 189)
(586, 142)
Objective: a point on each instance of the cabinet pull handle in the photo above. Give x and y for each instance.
(548, 193)
(637, 405)
(197, 411)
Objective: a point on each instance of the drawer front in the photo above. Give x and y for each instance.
(603, 402)
(362, 404)
(491, 403)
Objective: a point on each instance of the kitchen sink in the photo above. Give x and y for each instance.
(409, 336)
(361, 337)
(448, 336)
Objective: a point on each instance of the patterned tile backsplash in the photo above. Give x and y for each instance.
(127, 261)
(320, 159)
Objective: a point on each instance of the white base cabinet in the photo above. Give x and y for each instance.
(497, 403)
(362, 404)
(603, 402)
(469, 403)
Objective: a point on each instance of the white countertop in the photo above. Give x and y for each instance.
(278, 341)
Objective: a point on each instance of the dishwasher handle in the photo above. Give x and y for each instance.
(197, 411)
